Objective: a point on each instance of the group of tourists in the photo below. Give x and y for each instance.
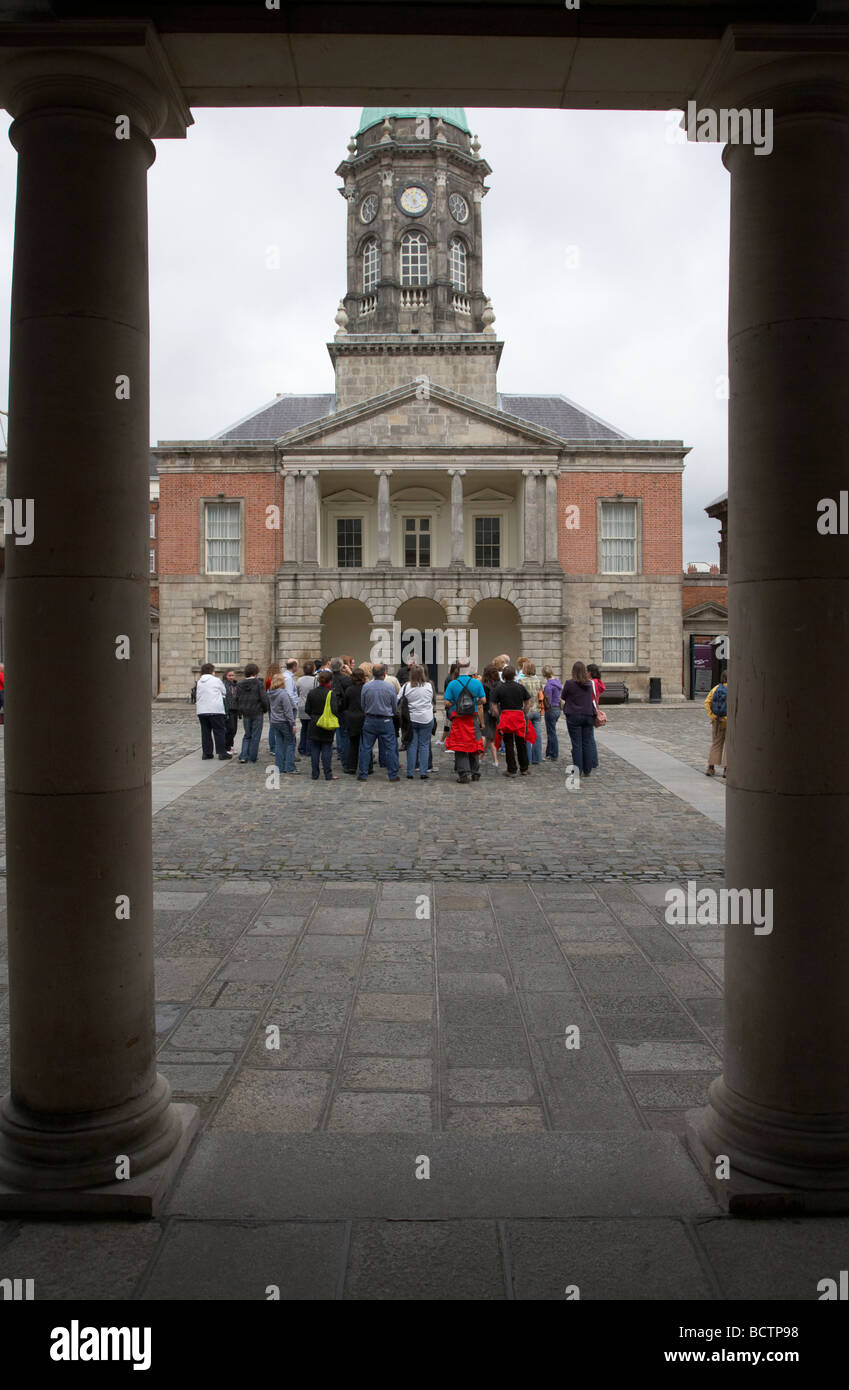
(354, 708)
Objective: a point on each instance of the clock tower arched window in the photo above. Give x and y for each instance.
(414, 259)
(371, 265)
(458, 264)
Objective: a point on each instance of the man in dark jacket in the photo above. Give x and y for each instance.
(251, 702)
(338, 687)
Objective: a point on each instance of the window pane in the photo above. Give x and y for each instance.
(410, 552)
(618, 537)
(371, 265)
(424, 550)
(457, 264)
(349, 542)
(153, 562)
(414, 259)
(153, 526)
(223, 539)
(487, 541)
(619, 635)
(222, 637)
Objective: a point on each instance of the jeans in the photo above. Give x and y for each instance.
(580, 728)
(252, 725)
(552, 747)
(213, 726)
(515, 747)
(304, 740)
(418, 753)
(343, 746)
(383, 731)
(321, 753)
(535, 749)
(282, 736)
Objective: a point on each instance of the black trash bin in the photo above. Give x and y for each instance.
(654, 690)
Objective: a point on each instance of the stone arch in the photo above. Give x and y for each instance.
(499, 628)
(346, 625)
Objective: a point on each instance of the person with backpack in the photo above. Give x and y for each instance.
(209, 703)
(464, 702)
(323, 726)
(716, 704)
(512, 702)
(415, 706)
(251, 702)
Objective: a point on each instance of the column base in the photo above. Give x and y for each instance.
(776, 1167)
(139, 1196)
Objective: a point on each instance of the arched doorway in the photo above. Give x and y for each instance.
(346, 626)
(424, 615)
(498, 628)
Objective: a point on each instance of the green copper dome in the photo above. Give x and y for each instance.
(452, 115)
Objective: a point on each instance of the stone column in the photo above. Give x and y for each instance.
(290, 516)
(531, 555)
(384, 517)
(458, 543)
(551, 555)
(86, 1104)
(310, 516)
(780, 1111)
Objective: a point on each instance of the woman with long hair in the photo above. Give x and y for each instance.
(532, 683)
(579, 707)
(321, 740)
(419, 694)
(271, 671)
(598, 688)
(491, 679)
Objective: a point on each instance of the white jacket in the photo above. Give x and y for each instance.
(210, 695)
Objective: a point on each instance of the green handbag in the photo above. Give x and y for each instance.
(328, 719)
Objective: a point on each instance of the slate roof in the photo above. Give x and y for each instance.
(560, 415)
(556, 413)
(279, 416)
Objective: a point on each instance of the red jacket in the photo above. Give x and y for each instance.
(513, 721)
(462, 737)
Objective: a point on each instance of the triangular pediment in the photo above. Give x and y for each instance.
(417, 418)
(347, 494)
(488, 494)
(707, 612)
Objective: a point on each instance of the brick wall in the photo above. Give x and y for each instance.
(661, 498)
(180, 518)
(695, 594)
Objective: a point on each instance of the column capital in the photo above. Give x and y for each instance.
(382, 472)
(789, 69)
(456, 472)
(114, 69)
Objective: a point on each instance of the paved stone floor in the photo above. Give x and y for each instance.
(442, 1040)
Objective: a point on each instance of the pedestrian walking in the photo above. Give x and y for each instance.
(418, 694)
(380, 707)
(322, 727)
(552, 692)
(354, 719)
(532, 683)
(282, 713)
(464, 701)
(209, 704)
(716, 704)
(231, 711)
(490, 680)
(512, 702)
(579, 707)
(304, 684)
(599, 688)
(251, 702)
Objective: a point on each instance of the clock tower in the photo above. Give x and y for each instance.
(414, 182)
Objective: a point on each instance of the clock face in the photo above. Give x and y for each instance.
(414, 200)
(458, 207)
(368, 207)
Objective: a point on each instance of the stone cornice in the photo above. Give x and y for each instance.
(793, 69)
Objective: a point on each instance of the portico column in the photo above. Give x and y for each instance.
(780, 1111)
(551, 556)
(384, 517)
(310, 516)
(86, 1104)
(458, 544)
(290, 516)
(531, 555)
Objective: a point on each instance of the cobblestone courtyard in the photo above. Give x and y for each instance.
(353, 977)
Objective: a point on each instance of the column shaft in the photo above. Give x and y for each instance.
(458, 543)
(311, 517)
(384, 518)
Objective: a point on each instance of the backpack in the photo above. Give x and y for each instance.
(327, 720)
(465, 704)
(719, 701)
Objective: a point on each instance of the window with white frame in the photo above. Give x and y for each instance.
(222, 636)
(487, 542)
(153, 562)
(457, 264)
(618, 537)
(223, 525)
(371, 265)
(414, 259)
(153, 526)
(416, 542)
(618, 636)
(349, 542)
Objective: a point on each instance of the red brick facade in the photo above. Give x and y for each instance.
(181, 495)
(660, 494)
(693, 595)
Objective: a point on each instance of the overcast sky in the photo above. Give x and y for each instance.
(605, 256)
